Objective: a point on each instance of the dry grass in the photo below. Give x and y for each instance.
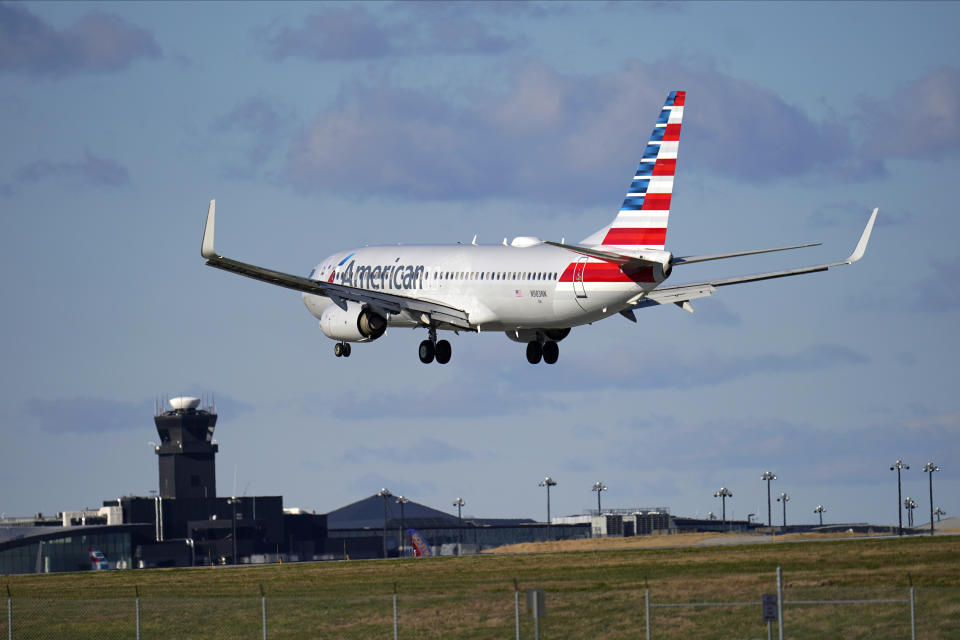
(592, 592)
(670, 541)
(608, 544)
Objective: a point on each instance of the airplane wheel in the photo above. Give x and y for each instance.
(551, 351)
(427, 352)
(346, 350)
(534, 352)
(443, 352)
(338, 349)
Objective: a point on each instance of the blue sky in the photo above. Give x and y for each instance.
(320, 127)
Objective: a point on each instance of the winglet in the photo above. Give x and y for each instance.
(864, 239)
(206, 249)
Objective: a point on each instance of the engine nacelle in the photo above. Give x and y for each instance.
(355, 324)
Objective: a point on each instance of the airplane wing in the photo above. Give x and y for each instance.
(681, 295)
(430, 313)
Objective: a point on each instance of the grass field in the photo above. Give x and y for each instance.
(595, 593)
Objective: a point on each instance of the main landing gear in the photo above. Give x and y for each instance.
(342, 349)
(435, 349)
(549, 352)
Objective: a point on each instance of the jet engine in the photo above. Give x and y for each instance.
(353, 324)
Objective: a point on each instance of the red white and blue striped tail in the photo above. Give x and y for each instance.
(642, 220)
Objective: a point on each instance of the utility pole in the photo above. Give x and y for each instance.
(783, 497)
(898, 465)
(384, 493)
(929, 469)
(598, 487)
(723, 493)
(820, 510)
(458, 503)
(403, 526)
(768, 476)
(233, 501)
(548, 482)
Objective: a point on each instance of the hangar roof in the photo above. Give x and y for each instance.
(368, 513)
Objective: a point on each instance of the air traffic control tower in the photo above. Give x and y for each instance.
(186, 452)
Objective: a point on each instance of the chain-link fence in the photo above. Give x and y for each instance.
(812, 611)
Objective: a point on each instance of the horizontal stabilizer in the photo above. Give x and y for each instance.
(721, 256)
(685, 292)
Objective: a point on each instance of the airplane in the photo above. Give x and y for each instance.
(420, 547)
(532, 290)
(98, 561)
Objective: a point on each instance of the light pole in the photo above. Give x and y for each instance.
(401, 500)
(233, 501)
(784, 498)
(820, 510)
(909, 505)
(929, 468)
(598, 487)
(384, 493)
(723, 493)
(768, 476)
(939, 512)
(458, 503)
(548, 482)
(898, 465)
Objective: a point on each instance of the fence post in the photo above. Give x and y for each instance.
(780, 603)
(137, 590)
(263, 610)
(516, 606)
(913, 619)
(9, 614)
(646, 595)
(396, 620)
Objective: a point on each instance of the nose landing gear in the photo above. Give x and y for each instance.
(342, 349)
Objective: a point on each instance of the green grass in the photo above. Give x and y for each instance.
(589, 595)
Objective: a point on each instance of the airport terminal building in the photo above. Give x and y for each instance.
(186, 523)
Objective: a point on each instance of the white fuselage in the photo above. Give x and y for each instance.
(501, 287)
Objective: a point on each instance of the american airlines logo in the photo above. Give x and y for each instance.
(393, 276)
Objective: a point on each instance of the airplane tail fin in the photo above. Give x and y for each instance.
(98, 561)
(420, 547)
(642, 220)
